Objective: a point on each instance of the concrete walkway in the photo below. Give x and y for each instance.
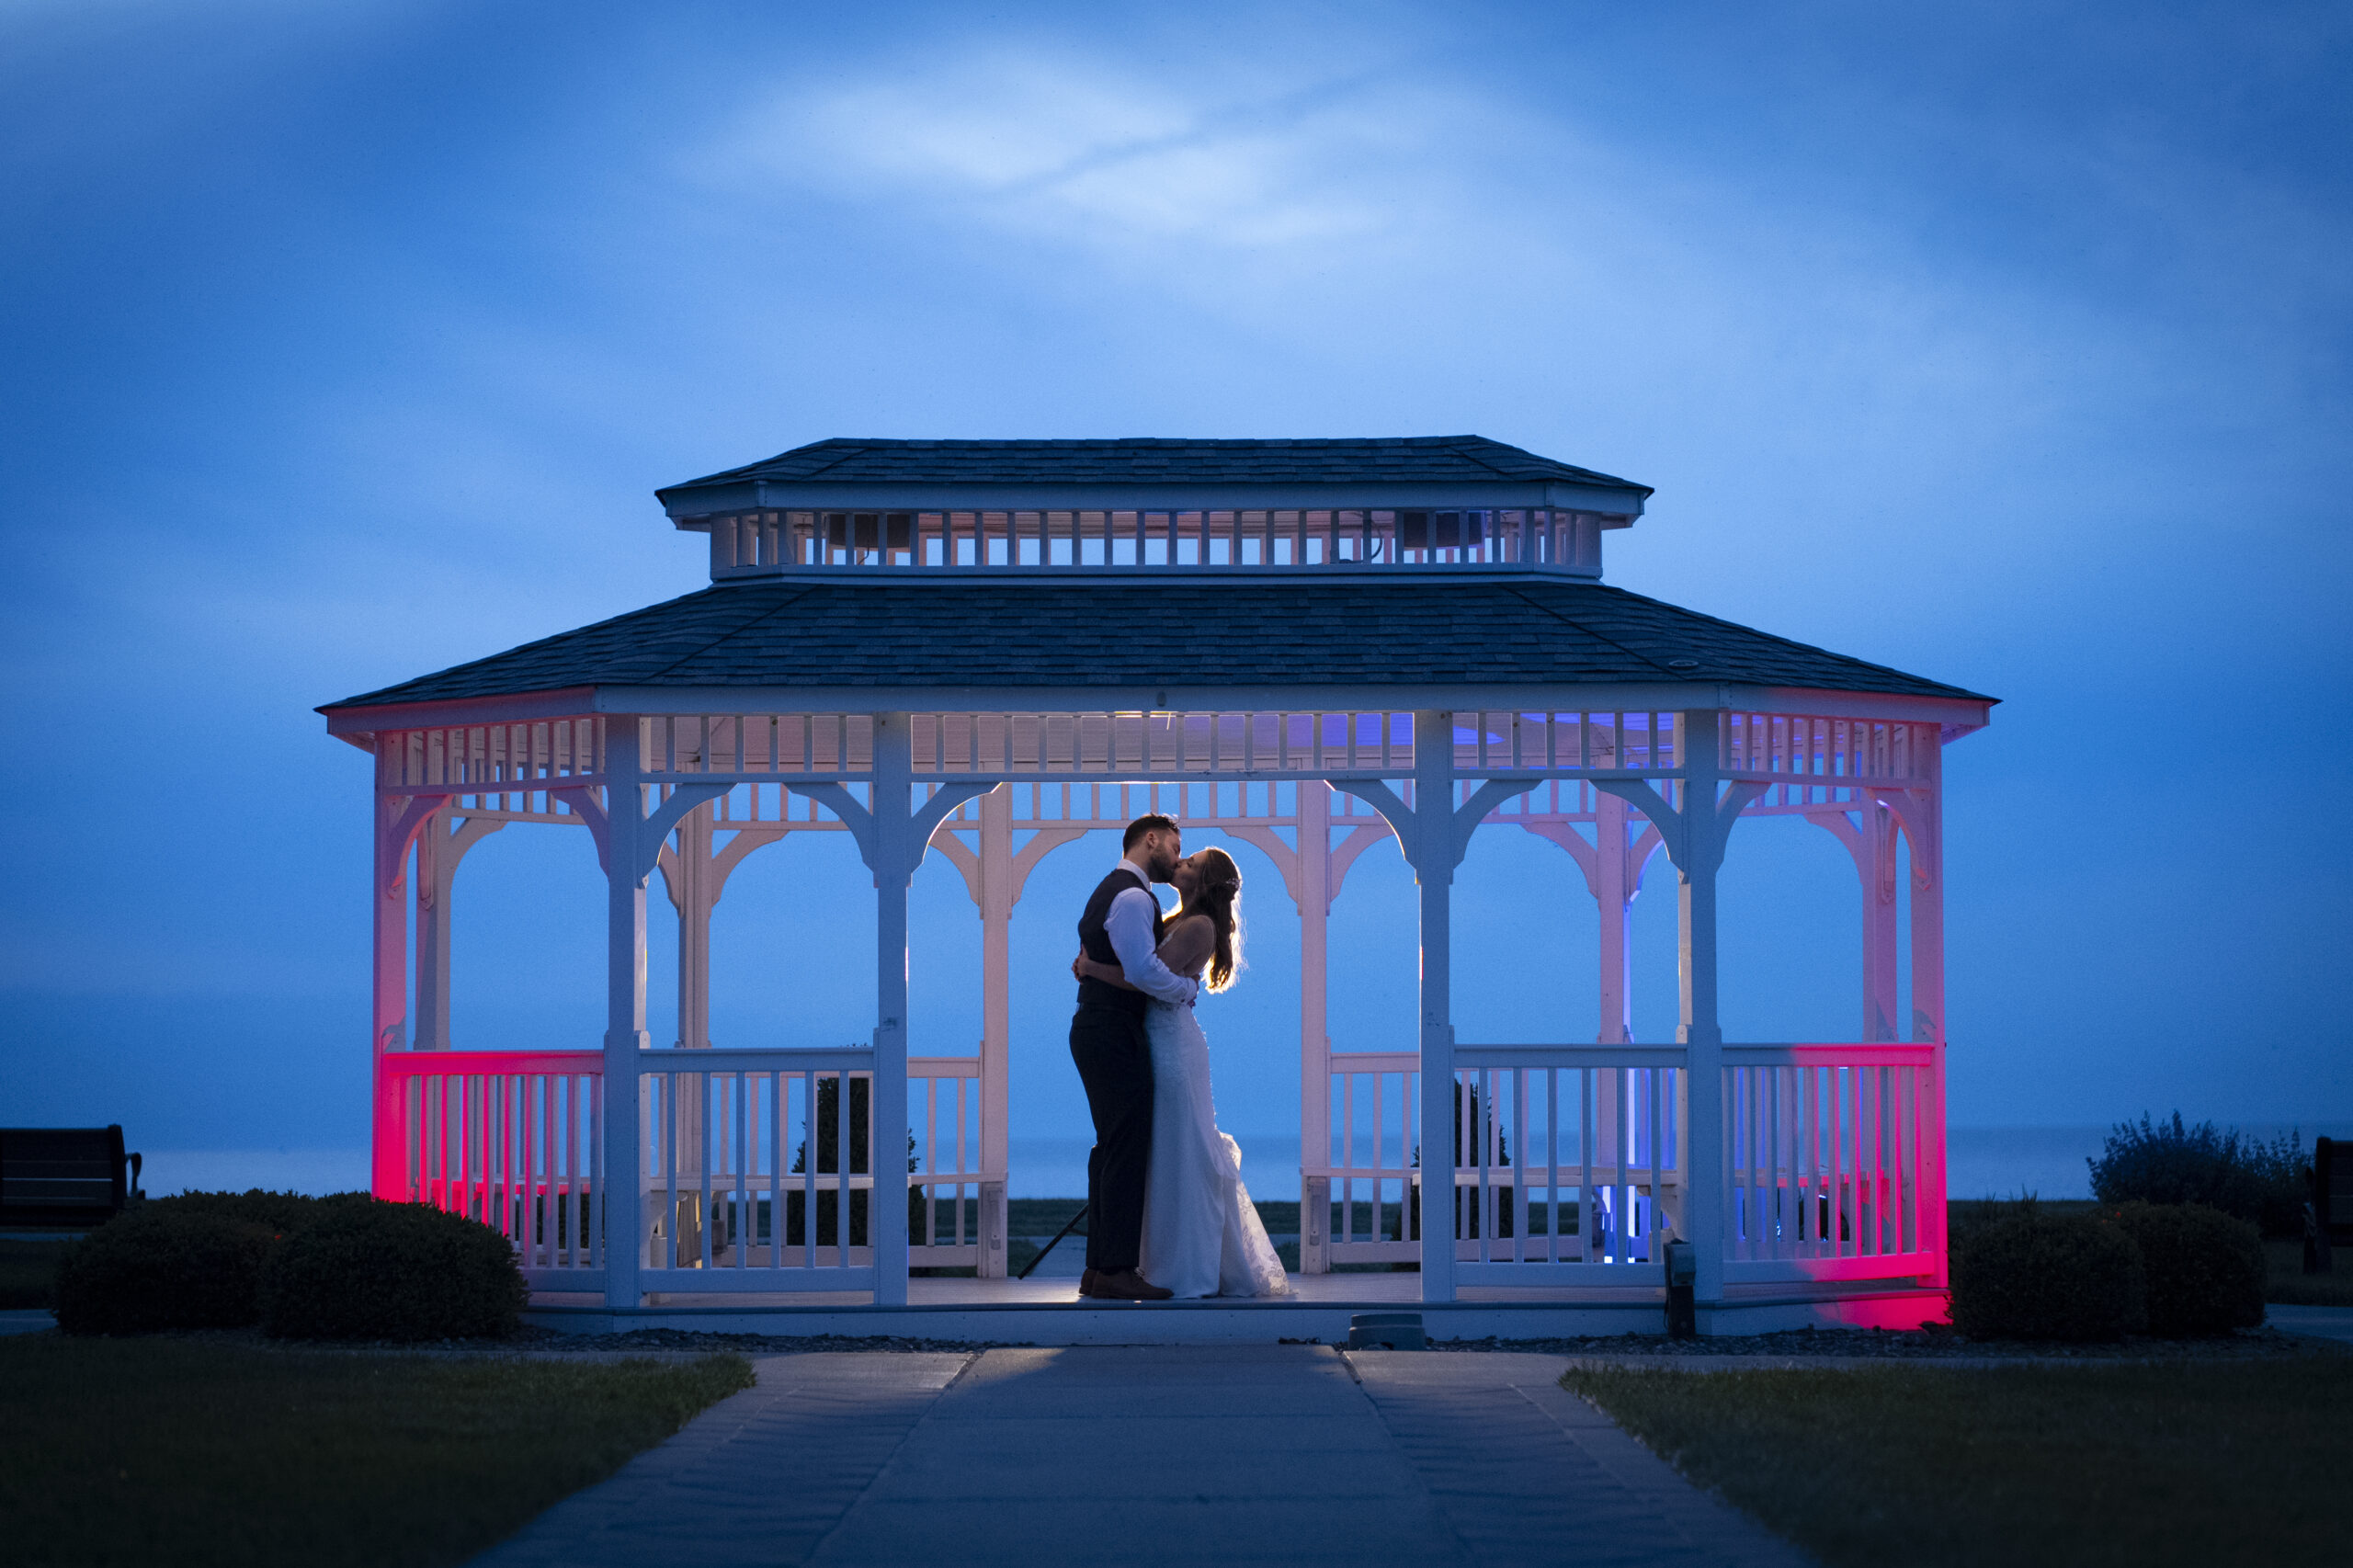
(2320, 1322)
(1225, 1456)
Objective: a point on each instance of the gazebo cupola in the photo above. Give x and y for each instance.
(1421, 501)
(979, 652)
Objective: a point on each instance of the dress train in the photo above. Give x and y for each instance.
(1201, 1234)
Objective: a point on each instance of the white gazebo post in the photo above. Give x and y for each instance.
(1923, 832)
(1428, 837)
(1882, 1004)
(1311, 886)
(1436, 848)
(694, 891)
(429, 1029)
(388, 1009)
(691, 881)
(1618, 876)
(628, 864)
(398, 818)
(1700, 1027)
(997, 898)
(893, 860)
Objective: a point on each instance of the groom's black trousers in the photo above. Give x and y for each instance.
(1114, 1063)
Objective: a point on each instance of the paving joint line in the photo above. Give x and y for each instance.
(817, 1547)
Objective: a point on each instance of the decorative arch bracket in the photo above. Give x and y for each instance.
(584, 804)
(392, 850)
(1434, 846)
(1674, 827)
(922, 822)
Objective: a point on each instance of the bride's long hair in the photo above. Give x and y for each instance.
(1219, 896)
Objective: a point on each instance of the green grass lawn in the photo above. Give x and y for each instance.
(204, 1451)
(2192, 1463)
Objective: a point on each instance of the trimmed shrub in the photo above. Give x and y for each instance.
(2038, 1275)
(159, 1268)
(283, 1213)
(2171, 1162)
(2205, 1270)
(401, 1271)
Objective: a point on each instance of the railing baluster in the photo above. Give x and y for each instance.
(842, 1145)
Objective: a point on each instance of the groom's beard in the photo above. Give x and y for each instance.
(1162, 868)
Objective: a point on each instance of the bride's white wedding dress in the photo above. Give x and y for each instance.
(1201, 1236)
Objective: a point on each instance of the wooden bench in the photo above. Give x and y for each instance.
(2328, 1218)
(65, 1176)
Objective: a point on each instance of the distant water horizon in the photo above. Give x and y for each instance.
(1980, 1162)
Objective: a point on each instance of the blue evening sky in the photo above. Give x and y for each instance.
(2004, 342)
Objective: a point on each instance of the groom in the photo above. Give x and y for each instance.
(1122, 925)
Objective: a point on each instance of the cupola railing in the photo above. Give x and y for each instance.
(771, 541)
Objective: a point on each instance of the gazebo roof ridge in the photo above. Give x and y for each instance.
(1154, 471)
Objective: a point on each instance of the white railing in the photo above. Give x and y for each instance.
(747, 1188)
(761, 543)
(513, 1139)
(729, 1148)
(961, 1198)
(1833, 1162)
(1564, 1156)
(1375, 1123)
(1567, 1165)
(1569, 1157)
(1569, 1161)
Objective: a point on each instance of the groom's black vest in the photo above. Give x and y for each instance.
(1097, 942)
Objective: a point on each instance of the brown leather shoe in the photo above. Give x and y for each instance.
(1128, 1286)
(1086, 1282)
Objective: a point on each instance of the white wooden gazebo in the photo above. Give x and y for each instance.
(929, 645)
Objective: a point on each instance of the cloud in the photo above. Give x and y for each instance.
(1066, 146)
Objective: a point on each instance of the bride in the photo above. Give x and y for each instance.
(1201, 1236)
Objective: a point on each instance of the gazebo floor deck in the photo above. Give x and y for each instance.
(1049, 1311)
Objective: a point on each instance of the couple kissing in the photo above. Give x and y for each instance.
(1167, 1213)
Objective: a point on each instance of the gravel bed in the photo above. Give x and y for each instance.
(543, 1341)
(1895, 1344)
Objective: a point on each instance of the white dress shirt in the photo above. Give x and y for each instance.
(1127, 922)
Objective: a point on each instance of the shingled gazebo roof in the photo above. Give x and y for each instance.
(1131, 630)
